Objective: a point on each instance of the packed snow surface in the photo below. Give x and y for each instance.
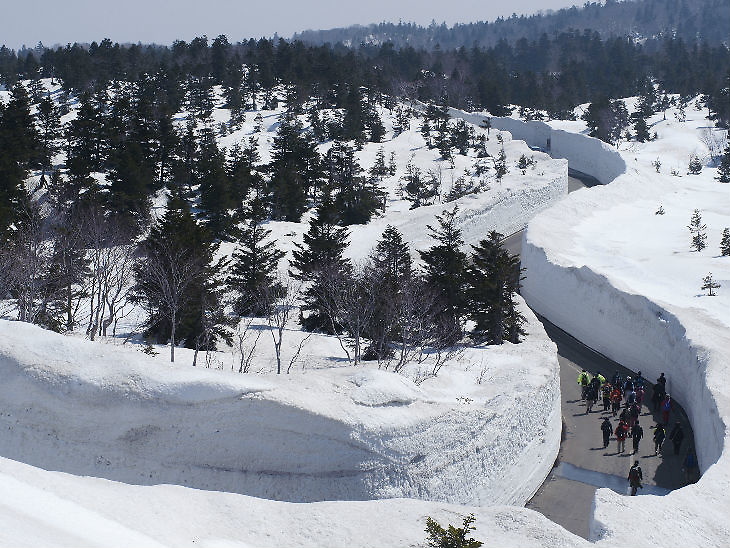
(608, 267)
(73, 408)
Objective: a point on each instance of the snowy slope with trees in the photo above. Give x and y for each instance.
(629, 277)
(469, 424)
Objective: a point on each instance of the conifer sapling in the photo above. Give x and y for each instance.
(709, 284)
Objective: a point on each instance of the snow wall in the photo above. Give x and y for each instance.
(333, 434)
(693, 350)
(585, 154)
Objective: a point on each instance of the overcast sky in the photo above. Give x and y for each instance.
(26, 22)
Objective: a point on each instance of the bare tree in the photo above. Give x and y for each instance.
(168, 273)
(28, 257)
(278, 318)
(245, 346)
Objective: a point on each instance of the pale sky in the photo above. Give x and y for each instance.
(26, 22)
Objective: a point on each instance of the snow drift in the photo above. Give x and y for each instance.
(325, 434)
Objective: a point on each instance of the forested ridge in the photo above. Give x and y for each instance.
(692, 20)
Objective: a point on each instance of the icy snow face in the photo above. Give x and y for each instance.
(467, 436)
(624, 281)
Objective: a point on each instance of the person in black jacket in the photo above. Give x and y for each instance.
(637, 432)
(635, 477)
(677, 435)
(607, 430)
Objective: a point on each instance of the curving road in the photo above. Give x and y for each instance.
(583, 465)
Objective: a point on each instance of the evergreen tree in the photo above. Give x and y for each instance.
(355, 199)
(379, 170)
(390, 272)
(453, 537)
(295, 170)
(49, 124)
(695, 165)
(709, 284)
(723, 170)
(83, 151)
(318, 260)
(444, 266)
(725, 243)
(494, 280)
(18, 148)
(500, 164)
(176, 281)
(254, 266)
(698, 232)
(216, 196)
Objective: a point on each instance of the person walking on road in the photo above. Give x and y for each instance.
(616, 400)
(621, 432)
(640, 393)
(584, 380)
(637, 432)
(690, 466)
(607, 429)
(591, 398)
(677, 435)
(666, 408)
(635, 477)
(634, 412)
(659, 435)
(606, 396)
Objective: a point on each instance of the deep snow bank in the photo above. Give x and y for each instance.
(330, 434)
(41, 509)
(597, 302)
(585, 154)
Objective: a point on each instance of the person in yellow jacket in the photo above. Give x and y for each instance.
(584, 379)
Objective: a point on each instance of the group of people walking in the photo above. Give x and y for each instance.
(623, 397)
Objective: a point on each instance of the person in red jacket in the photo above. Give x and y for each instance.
(621, 432)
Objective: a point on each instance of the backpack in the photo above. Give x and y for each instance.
(634, 475)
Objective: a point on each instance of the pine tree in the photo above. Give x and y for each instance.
(355, 199)
(695, 165)
(295, 170)
(445, 272)
(723, 170)
(318, 260)
(49, 124)
(216, 196)
(494, 279)
(389, 270)
(453, 537)
(254, 265)
(379, 170)
(698, 231)
(500, 164)
(725, 243)
(176, 281)
(709, 284)
(641, 129)
(18, 147)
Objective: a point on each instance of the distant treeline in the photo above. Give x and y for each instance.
(550, 73)
(692, 20)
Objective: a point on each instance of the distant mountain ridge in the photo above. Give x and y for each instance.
(692, 20)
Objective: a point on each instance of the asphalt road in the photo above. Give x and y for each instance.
(583, 464)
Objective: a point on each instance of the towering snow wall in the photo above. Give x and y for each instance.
(692, 348)
(585, 154)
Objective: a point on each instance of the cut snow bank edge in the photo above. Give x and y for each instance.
(693, 349)
(332, 434)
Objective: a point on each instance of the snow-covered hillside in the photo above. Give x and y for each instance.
(148, 453)
(624, 280)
